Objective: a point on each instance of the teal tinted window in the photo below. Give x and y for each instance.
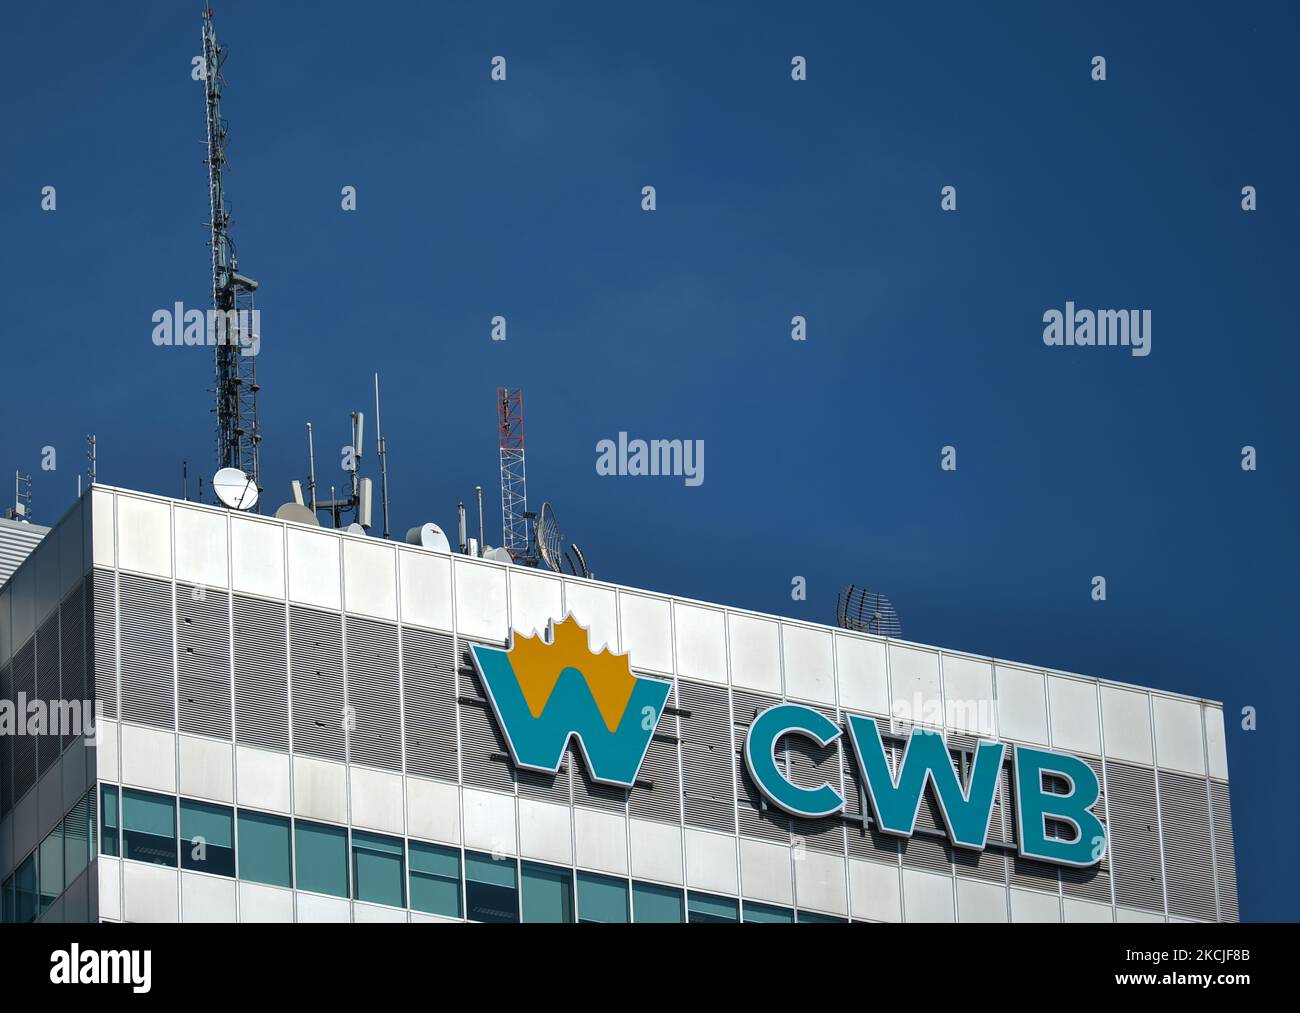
(654, 903)
(264, 849)
(321, 854)
(809, 918)
(767, 913)
(8, 903)
(77, 827)
(207, 838)
(491, 891)
(108, 820)
(148, 827)
(704, 907)
(435, 879)
(25, 897)
(50, 866)
(378, 871)
(601, 898)
(547, 893)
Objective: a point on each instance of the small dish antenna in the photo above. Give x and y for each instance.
(865, 611)
(298, 514)
(429, 536)
(499, 555)
(235, 489)
(354, 529)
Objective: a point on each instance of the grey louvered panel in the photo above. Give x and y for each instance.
(1189, 858)
(7, 745)
(1002, 829)
(758, 817)
(1224, 851)
(374, 692)
(261, 674)
(484, 756)
(1091, 884)
(924, 852)
(872, 844)
(989, 864)
(48, 692)
(1134, 837)
(316, 681)
(707, 784)
(203, 661)
(746, 706)
(658, 791)
(24, 745)
(1034, 875)
(549, 787)
(810, 766)
(145, 639)
(72, 651)
(592, 793)
(429, 684)
(101, 629)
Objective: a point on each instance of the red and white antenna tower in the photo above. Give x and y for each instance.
(514, 486)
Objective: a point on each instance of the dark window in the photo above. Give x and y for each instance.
(491, 889)
(149, 827)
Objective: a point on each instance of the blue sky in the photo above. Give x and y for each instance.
(775, 198)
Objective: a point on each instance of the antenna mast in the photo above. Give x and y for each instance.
(238, 433)
(514, 490)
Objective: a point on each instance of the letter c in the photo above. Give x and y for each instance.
(760, 759)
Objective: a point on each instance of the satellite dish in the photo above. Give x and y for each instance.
(499, 555)
(864, 611)
(355, 529)
(429, 536)
(550, 545)
(297, 513)
(235, 489)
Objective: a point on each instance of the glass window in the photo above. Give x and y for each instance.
(601, 898)
(108, 839)
(378, 872)
(148, 827)
(761, 913)
(809, 918)
(207, 837)
(704, 907)
(8, 903)
(264, 849)
(25, 891)
(491, 891)
(76, 839)
(435, 879)
(654, 903)
(50, 865)
(321, 857)
(547, 894)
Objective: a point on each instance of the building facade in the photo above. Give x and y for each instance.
(292, 727)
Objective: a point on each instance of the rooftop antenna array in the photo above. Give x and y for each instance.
(514, 487)
(238, 434)
(865, 611)
(382, 447)
(22, 508)
(550, 546)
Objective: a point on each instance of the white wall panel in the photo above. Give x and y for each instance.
(1076, 725)
(1032, 906)
(978, 901)
(109, 872)
(711, 862)
(206, 769)
(765, 872)
(595, 608)
(545, 831)
(1086, 911)
(148, 758)
(928, 897)
(656, 851)
(535, 600)
(968, 696)
(1022, 704)
(914, 681)
(1126, 722)
(207, 898)
(144, 536)
(313, 567)
(819, 882)
(701, 643)
(313, 908)
(600, 840)
(433, 810)
(646, 625)
(1179, 741)
(809, 663)
(370, 578)
(257, 556)
(489, 821)
(480, 599)
(149, 893)
(426, 588)
(755, 653)
(258, 903)
(875, 891)
(377, 802)
(1216, 744)
(201, 547)
(262, 779)
(101, 528)
(320, 789)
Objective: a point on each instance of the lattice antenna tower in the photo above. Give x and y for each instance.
(239, 436)
(514, 486)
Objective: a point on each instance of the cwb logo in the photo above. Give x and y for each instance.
(547, 692)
